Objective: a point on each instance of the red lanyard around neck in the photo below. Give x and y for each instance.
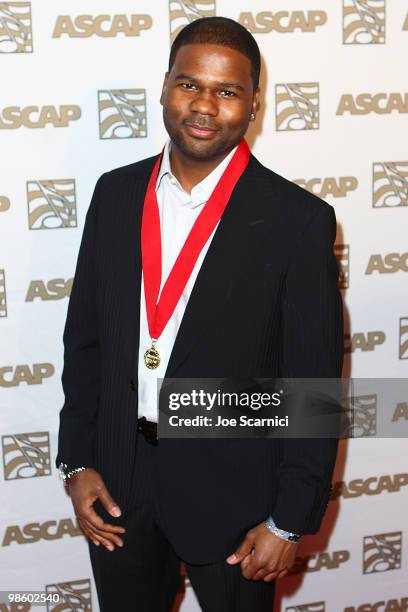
(159, 312)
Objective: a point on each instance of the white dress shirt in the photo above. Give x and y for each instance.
(178, 210)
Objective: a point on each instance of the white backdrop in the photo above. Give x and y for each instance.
(319, 56)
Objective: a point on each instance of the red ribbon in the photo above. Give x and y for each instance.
(159, 313)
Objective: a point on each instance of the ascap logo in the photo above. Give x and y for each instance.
(55, 289)
(318, 561)
(283, 21)
(26, 455)
(51, 204)
(363, 22)
(34, 532)
(12, 376)
(183, 12)
(342, 254)
(389, 605)
(400, 412)
(122, 113)
(76, 594)
(3, 296)
(388, 264)
(364, 342)
(317, 606)
(375, 485)
(359, 416)
(13, 117)
(338, 188)
(297, 106)
(382, 552)
(15, 27)
(4, 203)
(390, 184)
(403, 338)
(107, 26)
(365, 103)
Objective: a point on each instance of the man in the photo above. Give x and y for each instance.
(252, 293)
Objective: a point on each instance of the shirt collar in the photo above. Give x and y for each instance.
(200, 192)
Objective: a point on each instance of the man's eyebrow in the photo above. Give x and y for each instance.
(186, 77)
(231, 85)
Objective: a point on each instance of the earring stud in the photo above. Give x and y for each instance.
(252, 116)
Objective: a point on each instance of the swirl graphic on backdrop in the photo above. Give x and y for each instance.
(382, 552)
(317, 606)
(297, 106)
(342, 254)
(363, 22)
(390, 184)
(3, 295)
(4, 203)
(183, 12)
(15, 27)
(51, 204)
(76, 594)
(359, 416)
(26, 455)
(122, 113)
(403, 338)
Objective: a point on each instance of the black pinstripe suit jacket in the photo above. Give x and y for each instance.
(267, 296)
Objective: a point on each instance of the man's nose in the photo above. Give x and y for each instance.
(204, 104)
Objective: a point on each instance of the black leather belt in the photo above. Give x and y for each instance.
(148, 429)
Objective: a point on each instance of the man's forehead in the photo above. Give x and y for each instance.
(211, 61)
(202, 52)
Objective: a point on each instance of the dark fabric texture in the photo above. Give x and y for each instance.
(265, 304)
(144, 574)
(220, 587)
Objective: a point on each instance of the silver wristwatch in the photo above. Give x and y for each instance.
(281, 533)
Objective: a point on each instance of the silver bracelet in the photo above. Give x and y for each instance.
(66, 474)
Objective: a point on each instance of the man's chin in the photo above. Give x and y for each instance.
(199, 149)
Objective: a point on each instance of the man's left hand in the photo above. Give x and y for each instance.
(263, 555)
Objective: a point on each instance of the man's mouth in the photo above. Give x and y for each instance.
(200, 131)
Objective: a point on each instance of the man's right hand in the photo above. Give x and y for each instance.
(85, 488)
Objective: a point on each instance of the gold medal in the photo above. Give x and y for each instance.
(152, 357)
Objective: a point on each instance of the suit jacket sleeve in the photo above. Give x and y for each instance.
(81, 371)
(312, 347)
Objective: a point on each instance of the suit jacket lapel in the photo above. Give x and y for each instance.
(236, 236)
(132, 229)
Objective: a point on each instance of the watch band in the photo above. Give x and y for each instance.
(66, 473)
(281, 533)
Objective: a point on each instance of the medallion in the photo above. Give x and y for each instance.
(152, 357)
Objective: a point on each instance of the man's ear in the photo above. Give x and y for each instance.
(164, 87)
(256, 100)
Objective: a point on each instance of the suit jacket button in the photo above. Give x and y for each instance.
(132, 385)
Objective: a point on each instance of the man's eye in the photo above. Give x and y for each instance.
(188, 85)
(227, 94)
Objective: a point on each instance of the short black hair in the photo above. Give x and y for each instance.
(220, 31)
